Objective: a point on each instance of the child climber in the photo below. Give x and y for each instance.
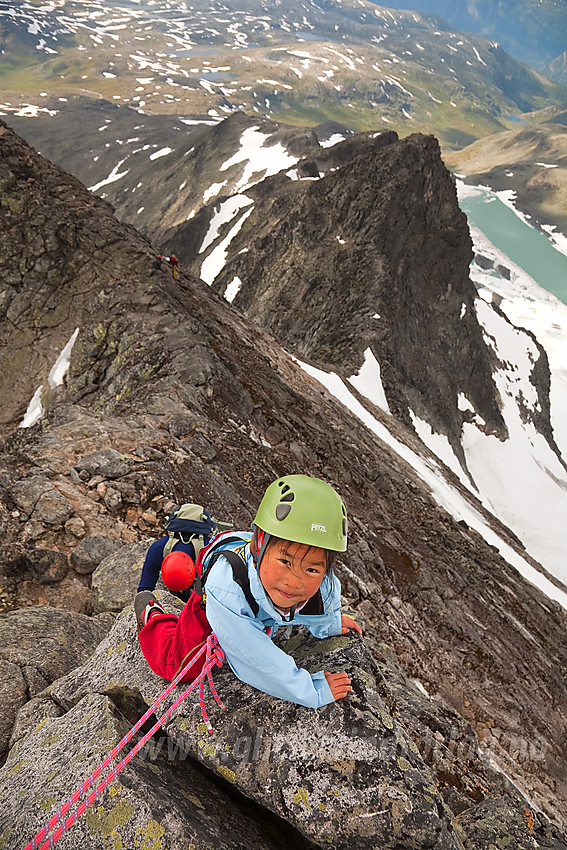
(286, 577)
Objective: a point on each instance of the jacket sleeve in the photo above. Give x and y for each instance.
(254, 658)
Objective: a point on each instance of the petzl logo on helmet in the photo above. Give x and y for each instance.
(315, 527)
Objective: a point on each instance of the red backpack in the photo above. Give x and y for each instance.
(191, 631)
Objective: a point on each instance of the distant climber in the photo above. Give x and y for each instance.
(189, 528)
(173, 263)
(158, 263)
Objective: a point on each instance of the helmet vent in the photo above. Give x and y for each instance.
(304, 510)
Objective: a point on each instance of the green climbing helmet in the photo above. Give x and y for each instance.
(304, 510)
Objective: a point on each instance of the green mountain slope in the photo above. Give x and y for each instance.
(364, 66)
(532, 161)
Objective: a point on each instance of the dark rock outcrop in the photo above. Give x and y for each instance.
(34, 575)
(373, 255)
(208, 408)
(115, 580)
(54, 238)
(86, 557)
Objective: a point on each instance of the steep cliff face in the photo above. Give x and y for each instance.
(172, 394)
(55, 240)
(372, 255)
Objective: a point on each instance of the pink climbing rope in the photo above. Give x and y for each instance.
(214, 657)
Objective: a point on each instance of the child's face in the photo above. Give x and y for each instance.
(292, 572)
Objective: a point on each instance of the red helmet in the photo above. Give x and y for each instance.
(178, 571)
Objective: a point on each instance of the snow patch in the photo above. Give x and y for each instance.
(233, 289)
(520, 478)
(440, 446)
(222, 215)
(332, 140)
(368, 381)
(214, 263)
(160, 153)
(114, 175)
(463, 403)
(213, 190)
(259, 158)
(27, 110)
(34, 411)
(61, 365)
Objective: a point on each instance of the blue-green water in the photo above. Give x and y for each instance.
(524, 245)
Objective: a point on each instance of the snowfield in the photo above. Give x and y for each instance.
(444, 493)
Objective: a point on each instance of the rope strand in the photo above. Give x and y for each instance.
(214, 656)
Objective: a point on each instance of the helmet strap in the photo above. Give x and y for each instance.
(259, 544)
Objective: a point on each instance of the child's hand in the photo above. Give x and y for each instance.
(348, 623)
(339, 684)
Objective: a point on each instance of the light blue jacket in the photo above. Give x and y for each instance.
(247, 639)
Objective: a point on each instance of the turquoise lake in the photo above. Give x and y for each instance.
(524, 245)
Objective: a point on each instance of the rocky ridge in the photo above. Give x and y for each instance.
(355, 773)
(172, 395)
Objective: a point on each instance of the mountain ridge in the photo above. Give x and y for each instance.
(198, 403)
(319, 232)
(533, 32)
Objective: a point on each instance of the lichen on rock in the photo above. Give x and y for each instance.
(353, 774)
(151, 804)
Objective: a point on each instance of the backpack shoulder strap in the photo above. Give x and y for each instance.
(239, 571)
(240, 575)
(169, 544)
